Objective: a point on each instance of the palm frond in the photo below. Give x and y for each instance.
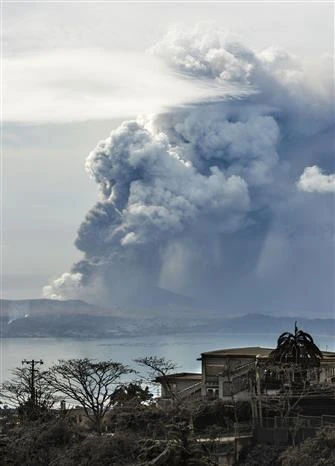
(297, 347)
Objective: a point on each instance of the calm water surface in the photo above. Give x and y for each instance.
(181, 349)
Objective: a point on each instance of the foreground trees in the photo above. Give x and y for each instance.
(158, 368)
(95, 386)
(89, 383)
(132, 393)
(33, 398)
(146, 435)
(143, 432)
(56, 444)
(314, 451)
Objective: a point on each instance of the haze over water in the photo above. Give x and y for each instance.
(181, 349)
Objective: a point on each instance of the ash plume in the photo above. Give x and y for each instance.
(206, 200)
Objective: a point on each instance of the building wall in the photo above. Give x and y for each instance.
(219, 373)
(224, 376)
(227, 376)
(327, 373)
(177, 386)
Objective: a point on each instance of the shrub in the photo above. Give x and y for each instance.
(35, 444)
(315, 451)
(116, 450)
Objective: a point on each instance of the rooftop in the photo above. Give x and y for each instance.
(182, 376)
(252, 351)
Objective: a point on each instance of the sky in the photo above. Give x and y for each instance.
(73, 72)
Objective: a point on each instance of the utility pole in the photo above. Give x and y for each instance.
(32, 363)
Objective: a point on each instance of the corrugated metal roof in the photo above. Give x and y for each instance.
(251, 351)
(182, 375)
(244, 351)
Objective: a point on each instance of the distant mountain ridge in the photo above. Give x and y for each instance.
(156, 301)
(74, 318)
(39, 307)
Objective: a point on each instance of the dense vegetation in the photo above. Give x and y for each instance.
(139, 436)
(124, 425)
(57, 443)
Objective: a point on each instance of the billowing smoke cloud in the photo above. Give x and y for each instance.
(313, 180)
(202, 200)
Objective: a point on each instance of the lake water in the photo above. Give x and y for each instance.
(181, 349)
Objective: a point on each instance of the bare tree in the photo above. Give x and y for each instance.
(89, 383)
(18, 392)
(292, 385)
(159, 368)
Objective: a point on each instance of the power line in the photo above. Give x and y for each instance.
(32, 363)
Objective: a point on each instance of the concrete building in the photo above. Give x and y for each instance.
(226, 372)
(246, 374)
(180, 385)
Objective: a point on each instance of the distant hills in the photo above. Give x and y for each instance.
(42, 307)
(77, 319)
(155, 301)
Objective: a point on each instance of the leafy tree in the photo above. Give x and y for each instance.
(297, 348)
(147, 421)
(89, 383)
(132, 393)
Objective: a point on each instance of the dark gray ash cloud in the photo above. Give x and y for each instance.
(219, 200)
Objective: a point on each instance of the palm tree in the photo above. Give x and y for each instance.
(297, 348)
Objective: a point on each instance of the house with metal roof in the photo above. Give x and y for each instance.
(226, 372)
(249, 374)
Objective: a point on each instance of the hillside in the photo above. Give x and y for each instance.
(49, 318)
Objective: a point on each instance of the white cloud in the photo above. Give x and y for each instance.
(86, 84)
(67, 283)
(313, 180)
